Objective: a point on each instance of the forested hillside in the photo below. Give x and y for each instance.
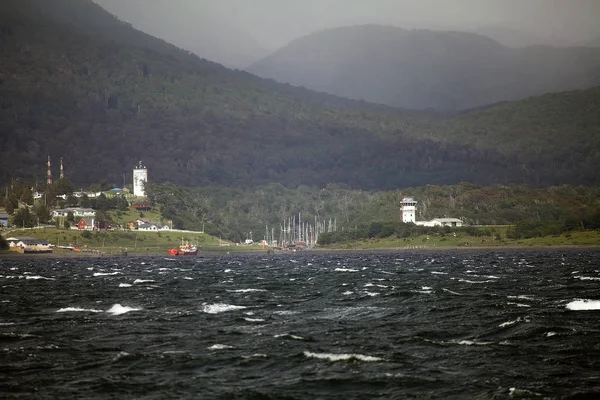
(424, 69)
(555, 138)
(83, 86)
(102, 105)
(234, 212)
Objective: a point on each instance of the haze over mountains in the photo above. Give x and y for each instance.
(217, 29)
(78, 83)
(427, 69)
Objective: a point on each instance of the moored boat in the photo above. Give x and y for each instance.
(185, 249)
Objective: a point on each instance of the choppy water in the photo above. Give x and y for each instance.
(303, 326)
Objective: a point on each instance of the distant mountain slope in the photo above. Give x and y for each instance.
(199, 29)
(103, 104)
(426, 69)
(548, 134)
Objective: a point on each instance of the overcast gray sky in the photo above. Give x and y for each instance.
(265, 25)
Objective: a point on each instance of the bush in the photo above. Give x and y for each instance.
(86, 234)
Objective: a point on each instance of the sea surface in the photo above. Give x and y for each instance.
(349, 325)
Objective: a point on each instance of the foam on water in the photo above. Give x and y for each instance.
(246, 290)
(342, 357)
(582, 305)
(220, 307)
(118, 309)
(509, 323)
(254, 319)
(587, 278)
(219, 346)
(143, 281)
(125, 285)
(77, 309)
(345, 270)
(106, 273)
(518, 304)
(39, 277)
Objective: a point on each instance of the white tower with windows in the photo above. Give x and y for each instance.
(409, 209)
(140, 177)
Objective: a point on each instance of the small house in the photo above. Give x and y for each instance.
(86, 224)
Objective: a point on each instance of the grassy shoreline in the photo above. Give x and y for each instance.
(117, 243)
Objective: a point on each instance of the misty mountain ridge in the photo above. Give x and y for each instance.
(103, 101)
(422, 69)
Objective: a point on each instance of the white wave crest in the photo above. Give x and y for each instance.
(587, 278)
(118, 309)
(509, 323)
(469, 281)
(254, 319)
(220, 347)
(77, 309)
(39, 277)
(289, 335)
(220, 307)
(106, 273)
(518, 304)
(522, 297)
(143, 281)
(372, 294)
(582, 305)
(125, 284)
(471, 343)
(342, 357)
(345, 270)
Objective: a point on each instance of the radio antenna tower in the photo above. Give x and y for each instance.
(49, 173)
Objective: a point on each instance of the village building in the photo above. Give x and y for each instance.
(140, 177)
(153, 226)
(76, 211)
(409, 211)
(25, 244)
(86, 224)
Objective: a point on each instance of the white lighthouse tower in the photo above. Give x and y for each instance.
(140, 177)
(409, 209)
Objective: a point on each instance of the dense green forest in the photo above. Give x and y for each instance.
(233, 212)
(77, 83)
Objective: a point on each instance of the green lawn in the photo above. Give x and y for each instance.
(587, 238)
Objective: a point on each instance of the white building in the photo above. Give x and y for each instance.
(140, 177)
(76, 211)
(409, 210)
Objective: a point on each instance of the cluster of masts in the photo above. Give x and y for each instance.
(293, 230)
(49, 171)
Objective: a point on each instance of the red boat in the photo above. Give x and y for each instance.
(186, 249)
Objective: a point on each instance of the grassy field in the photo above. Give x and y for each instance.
(587, 238)
(134, 242)
(145, 242)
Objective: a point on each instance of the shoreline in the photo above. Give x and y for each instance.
(263, 252)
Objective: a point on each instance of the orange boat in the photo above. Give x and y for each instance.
(185, 249)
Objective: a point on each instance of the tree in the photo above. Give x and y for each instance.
(84, 201)
(103, 219)
(42, 212)
(63, 186)
(24, 218)
(3, 243)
